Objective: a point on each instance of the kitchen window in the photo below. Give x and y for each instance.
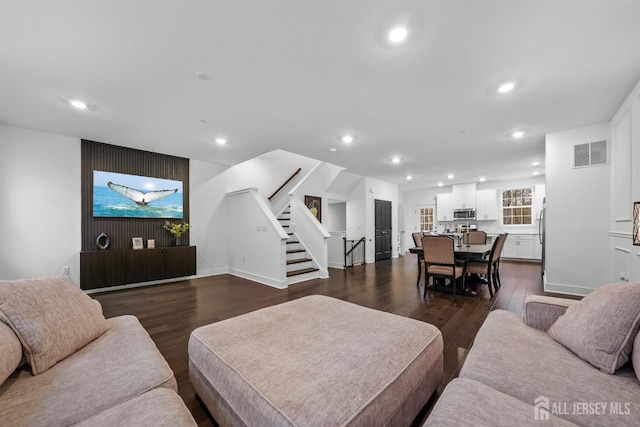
(517, 206)
(426, 219)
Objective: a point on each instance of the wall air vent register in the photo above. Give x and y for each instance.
(590, 154)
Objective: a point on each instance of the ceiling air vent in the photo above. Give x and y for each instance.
(590, 154)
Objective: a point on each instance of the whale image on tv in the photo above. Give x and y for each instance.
(117, 195)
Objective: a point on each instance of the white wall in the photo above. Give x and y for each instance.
(335, 219)
(577, 216)
(208, 218)
(257, 246)
(40, 208)
(412, 199)
(625, 187)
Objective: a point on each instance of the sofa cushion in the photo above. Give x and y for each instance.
(601, 328)
(468, 403)
(119, 365)
(52, 318)
(10, 352)
(527, 364)
(635, 356)
(159, 407)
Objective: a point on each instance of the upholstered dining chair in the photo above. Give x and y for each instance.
(440, 262)
(496, 261)
(488, 267)
(475, 238)
(417, 239)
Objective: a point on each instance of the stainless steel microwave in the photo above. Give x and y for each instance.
(464, 214)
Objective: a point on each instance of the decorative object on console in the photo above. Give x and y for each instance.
(151, 244)
(314, 204)
(176, 230)
(103, 241)
(137, 243)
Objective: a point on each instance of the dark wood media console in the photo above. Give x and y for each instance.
(113, 267)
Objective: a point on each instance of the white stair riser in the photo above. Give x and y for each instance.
(299, 265)
(302, 277)
(296, 255)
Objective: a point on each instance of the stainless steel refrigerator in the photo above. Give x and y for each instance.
(542, 231)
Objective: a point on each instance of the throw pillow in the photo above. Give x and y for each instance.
(601, 328)
(10, 352)
(52, 318)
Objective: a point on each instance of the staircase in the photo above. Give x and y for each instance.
(299, 266)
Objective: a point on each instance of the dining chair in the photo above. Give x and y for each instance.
(475, 238)
(440, 262)
(496, 267)
(487, 267)
(417, 240)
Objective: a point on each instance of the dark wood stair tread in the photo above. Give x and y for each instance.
(298, 261)
(292, 241)
(302, 271)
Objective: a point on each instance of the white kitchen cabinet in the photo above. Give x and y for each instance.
(464, 196)
(521, 246)
(486, 205)
(443, 207)
(537, 247)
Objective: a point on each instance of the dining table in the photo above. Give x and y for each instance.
(462, 252)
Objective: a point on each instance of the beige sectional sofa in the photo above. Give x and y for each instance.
(62, 363)
(563, 362)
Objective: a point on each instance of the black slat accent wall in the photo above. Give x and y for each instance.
(112, 158)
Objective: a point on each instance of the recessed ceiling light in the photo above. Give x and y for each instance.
(203, 76)
(395, 160)
(482, 179)
(450, 176)
(409, 177)
(397, 34)
(535, 164)
(80, 105)
(518, 134)
(506, 87)
(332, 149)
(347, 139)
(221, 141)
(440, 184)
(536, 172)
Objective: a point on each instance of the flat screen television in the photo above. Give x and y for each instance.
(117, 195)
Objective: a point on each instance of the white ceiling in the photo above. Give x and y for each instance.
(296, 74)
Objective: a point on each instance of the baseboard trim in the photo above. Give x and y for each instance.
(139, 285)
(279, 284)
(559, 288)
(335, 265)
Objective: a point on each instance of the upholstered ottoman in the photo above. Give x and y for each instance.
(315, 361)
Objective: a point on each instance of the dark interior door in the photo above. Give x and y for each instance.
(383, 229)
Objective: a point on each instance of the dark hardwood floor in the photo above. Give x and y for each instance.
(170, 312)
